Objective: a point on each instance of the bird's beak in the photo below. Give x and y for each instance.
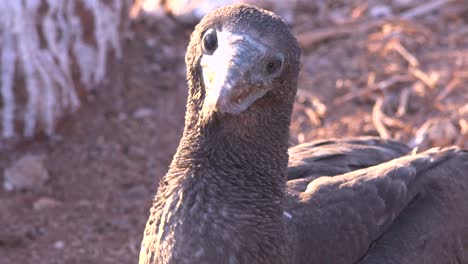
(233, 73)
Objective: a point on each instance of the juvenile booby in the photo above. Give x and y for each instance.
(230, 197)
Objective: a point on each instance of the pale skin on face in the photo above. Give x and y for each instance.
(233, 73)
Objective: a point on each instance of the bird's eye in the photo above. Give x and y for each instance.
(273, 66)
(210, 41)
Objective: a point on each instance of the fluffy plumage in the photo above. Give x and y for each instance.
(230, 197)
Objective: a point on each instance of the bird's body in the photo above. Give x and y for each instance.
(230, 197)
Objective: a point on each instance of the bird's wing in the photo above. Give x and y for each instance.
(433, 228)
(336, 219)
(309, 161)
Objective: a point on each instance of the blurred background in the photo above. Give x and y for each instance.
(93, 98)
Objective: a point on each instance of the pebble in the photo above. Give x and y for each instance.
(45, 203)
(380, 11)
(143, 113)
(437, 132)
(151, 42)
(60, 244)
(403, 2)
(136, 152)
(122, 116)
(27, 173)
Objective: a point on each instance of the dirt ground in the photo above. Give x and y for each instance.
(361, 75)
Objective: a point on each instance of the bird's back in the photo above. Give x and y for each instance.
(332, 157)
(406, 210)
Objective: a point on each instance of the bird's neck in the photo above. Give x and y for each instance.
(222, 198)
(242, 157)
(243, 150)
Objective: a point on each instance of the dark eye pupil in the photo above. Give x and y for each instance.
(210, 41)
(273, 66)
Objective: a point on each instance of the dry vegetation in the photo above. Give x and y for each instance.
(397, 71)
(391, 68)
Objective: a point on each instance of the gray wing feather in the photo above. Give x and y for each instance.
(319, 158)
(343, 215)
(338, 156)
(433, 228)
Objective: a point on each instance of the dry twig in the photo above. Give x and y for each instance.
(403, 105)
(377, 118)
(312, 107)
(381, 121)
(429, 81)
(448, 89)
(424, 9)
(381, 86)
(309, 39)
(463, 137)
(410, 58)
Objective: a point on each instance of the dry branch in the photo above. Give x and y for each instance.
(463, 137)
(454, 83)
(381, 86)
(377, 119)
(309, 39)
(410, 58)
(423, 77)
(424, 9)
(312, 107)
(403, 105)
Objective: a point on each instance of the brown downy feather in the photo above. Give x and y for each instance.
(226, 197)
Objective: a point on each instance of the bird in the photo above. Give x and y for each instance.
(235, 193)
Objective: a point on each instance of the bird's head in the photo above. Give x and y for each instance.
(241, 56)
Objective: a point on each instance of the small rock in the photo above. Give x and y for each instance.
(435, 133)
(27, 173)
(338, 16)
(136, 152)
(60, 244)
(380, 11)
(403, 2)
(151, 42)
(170, 52)
(45, 203)
(122, 116)
(143, 113)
